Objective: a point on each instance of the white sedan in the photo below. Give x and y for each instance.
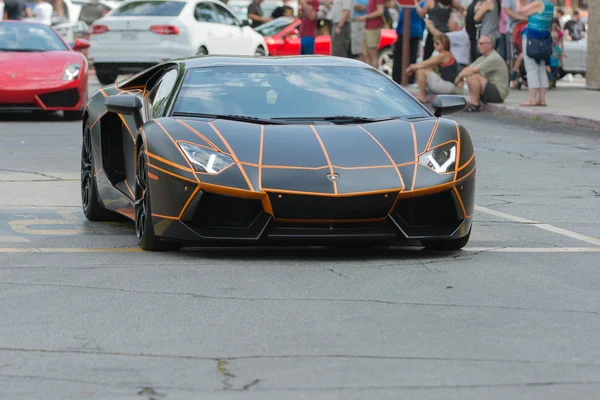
(142, 33)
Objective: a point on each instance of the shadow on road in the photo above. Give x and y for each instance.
(35, 116)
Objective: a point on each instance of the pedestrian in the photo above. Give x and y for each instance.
(556, 60)
(284, 10)
(341, 12)
(308, 27)
(486, 77)
(417, 27)
(575, 28)
(488, 13)
(460, 43)
(537, 48)
(357, 29)
(43, 12)
(373, 25)
(255, 13)
(15, 10)
(438, 72)
(439, 12)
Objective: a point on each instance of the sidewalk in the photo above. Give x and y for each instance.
(569, 104)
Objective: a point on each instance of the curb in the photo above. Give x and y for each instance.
(554, 117)
(534, 114)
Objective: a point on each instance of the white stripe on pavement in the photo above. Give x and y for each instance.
(550, 228)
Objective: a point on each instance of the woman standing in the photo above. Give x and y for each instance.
(539, 15)
(439, 13)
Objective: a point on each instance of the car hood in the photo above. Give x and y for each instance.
(39, 66)
(303, 158)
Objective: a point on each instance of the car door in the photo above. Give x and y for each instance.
(238, 42)
(207, 29)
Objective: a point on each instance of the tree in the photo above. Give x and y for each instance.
(593, 51)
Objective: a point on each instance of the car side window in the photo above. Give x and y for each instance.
(160, 93)
(205, 13)
(225, 16)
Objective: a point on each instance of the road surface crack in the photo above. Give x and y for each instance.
(56, 178)
(222, 367)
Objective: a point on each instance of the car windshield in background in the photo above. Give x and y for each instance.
(149, 9)
(275, 26)
(292, 91)
(29, 37)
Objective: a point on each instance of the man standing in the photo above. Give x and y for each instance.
(417, 27)
(340, 34)
(255, 13)
(308, 26)
(575, 28)
(14, 10)
(283, 11)
(487, 77)
(373, 26)
(357, 29)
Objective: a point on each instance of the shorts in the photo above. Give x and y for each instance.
(372, 38)
(491, 94)
(437, 85)
(307, 45)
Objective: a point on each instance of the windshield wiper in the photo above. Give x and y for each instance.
(23, 50)
(341, 119)
(240, 118)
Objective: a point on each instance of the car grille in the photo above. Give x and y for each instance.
(220, 211)
(292, 206)
(63, 98)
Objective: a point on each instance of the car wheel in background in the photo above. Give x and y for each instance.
(106, 78)
(260, 51)
(386, 60)
(73, 115)
(202, 51)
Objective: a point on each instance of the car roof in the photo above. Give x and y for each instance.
(307, 60)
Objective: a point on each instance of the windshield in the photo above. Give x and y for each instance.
(290, 91)
(274, 27)
(150, 8)
(29, 37)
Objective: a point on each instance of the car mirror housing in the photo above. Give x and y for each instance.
(448, 104)
(245, 22)
(125, 104)
(80, 44)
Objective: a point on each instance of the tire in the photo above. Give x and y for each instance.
(260, 52)
(144, 228)
(202, 51)
(90, 203)
(106, 78)
(72, 115)
(385, 60)
(448, 244)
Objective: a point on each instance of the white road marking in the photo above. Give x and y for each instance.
(550, 228)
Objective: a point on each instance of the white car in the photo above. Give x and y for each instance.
(575, 60)
(142, 33)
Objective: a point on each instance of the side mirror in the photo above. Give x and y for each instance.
(448, 104)
(245, 22)
(126, 104)
(80, 44)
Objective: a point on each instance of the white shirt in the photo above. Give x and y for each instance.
(460, 46)
(43, 12)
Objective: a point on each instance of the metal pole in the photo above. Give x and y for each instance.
(406, 45)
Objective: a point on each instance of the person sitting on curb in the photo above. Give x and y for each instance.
(486, 77)
(446, 66)
(460, 43)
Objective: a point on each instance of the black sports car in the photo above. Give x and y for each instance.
(216, 150)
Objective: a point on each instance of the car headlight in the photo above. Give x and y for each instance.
(71, 72)
(206, 160)
(441, 159)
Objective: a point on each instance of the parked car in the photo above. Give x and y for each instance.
(141, 33)
(281, 37)
(575, 60)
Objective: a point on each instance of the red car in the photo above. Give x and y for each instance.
(40, 71)
(281, 37)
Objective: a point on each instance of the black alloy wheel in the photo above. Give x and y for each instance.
(92, 207)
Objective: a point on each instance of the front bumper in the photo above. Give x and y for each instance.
(379, 217)
(45, 96)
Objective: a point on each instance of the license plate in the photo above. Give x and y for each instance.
(129, 36)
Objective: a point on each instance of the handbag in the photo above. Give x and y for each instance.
(539, 49)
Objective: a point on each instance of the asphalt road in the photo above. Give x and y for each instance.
(515, 315)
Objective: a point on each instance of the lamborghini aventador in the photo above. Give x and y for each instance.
(311, 149)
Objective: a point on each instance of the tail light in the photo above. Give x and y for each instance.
(165, 29)
(98, 29)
